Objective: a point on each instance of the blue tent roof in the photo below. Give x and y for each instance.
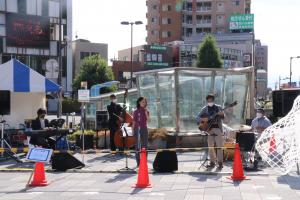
(18, 77)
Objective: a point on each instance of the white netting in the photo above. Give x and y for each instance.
(279, 144)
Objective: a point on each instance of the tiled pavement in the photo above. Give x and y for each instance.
(103, 180)
(75, 186)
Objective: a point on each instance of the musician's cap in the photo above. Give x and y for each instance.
(260, 110)
(210, 96)
(113, 96)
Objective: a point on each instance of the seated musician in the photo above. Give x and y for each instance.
(215, 133)
(40, 123)
(261, 122)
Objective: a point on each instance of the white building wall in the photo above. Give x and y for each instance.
(69, 46)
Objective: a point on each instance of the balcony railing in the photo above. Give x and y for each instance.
(203, 9)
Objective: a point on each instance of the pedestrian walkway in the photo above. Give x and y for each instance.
(78, 186)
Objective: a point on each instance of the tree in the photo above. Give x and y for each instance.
(208, 54)
(94, 70)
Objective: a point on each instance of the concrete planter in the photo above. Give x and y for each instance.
(157, 143)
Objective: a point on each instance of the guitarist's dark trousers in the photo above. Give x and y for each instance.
(215, 137)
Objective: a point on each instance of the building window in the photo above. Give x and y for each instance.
(154, 20)
(166, 34)
(204, 6)
(198, 30)
(189, 19)
(220, 19)
(45, 7)
(236, 2)
(189, 6)
(220, 7)
(166, 7)
(84, 55)
(189, 32)
(154, 7)
(2, 5)
(21, 6)
(207, 30)
(166, 21)
(159, 57)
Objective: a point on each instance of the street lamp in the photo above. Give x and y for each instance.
(291, 58)
(131, 62)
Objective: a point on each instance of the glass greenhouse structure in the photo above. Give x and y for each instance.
(176, 95)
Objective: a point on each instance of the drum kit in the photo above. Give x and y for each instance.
(241, 134)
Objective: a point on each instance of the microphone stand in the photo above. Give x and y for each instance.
(4, 142)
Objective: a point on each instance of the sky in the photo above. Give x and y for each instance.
(277, 25)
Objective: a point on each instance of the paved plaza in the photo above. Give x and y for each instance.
(73, 186)
(102, 178)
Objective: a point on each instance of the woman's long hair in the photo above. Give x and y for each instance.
(139, 100)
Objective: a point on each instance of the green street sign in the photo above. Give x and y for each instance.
(156, 47)
(241, 22)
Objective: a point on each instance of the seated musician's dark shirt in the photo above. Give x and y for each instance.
(36, 124)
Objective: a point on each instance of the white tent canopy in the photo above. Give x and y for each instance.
(18, 77)
(28, 91)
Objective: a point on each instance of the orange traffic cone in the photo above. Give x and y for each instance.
(238, 171)
(39, 178)
(143, 176)
(272, 145)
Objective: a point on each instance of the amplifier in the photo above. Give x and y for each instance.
(101, 119)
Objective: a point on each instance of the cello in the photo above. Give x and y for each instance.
(127, 141)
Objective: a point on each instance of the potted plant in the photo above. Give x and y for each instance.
(157, 138)
(88, 138)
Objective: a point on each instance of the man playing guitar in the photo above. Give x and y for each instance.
(213, 113)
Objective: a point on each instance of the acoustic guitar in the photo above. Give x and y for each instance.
(206, 123)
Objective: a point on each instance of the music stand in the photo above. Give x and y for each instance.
(4, 143)
(126, 168)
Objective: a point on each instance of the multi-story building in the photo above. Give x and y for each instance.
(30, 32)
(84, 48)
(235, 49)
(163, 21)
(124, 54)
(170, 20)
(261, 64)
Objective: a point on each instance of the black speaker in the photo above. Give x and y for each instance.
(4, 102)
(101, 119)
(165, 161)
(246, 140)
(283, 101)
(64, 161)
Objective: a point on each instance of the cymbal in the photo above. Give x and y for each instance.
(241, 127)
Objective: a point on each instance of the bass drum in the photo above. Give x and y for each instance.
(229, 153)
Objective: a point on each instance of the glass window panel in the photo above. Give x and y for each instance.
(192, 92)
(147, 89)
(167, 101)
(236, 88)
